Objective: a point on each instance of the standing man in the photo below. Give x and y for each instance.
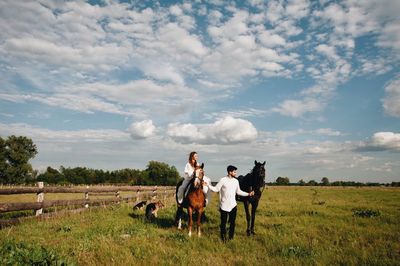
(228, 187)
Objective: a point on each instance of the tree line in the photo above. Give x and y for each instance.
(156, 173)
(285, 181)
(15, 153)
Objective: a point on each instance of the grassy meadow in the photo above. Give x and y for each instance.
(294, 226)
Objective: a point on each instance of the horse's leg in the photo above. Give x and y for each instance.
(246, 208)
(254, 206)
(190, 213)
(200, 213)
(178, 217)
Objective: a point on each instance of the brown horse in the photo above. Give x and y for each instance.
(194, 201)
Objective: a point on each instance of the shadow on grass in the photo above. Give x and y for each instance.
(161, 222)
(167, 222)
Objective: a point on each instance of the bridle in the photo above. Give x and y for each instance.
(258, 174)
(198, 173)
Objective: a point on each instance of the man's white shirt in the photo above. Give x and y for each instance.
(228, 187)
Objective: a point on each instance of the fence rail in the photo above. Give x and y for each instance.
(27, 190)
(111, 195)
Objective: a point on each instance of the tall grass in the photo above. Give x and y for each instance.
(294, 226)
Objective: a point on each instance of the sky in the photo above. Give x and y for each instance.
(310, 87)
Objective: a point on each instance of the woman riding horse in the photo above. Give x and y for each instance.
(194, 201)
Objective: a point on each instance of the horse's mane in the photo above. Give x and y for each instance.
(252, 178)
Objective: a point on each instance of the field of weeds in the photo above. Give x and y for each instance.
(294, 226)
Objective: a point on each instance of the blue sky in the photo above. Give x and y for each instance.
(310, 87)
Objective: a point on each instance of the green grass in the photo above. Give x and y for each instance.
(294, 226)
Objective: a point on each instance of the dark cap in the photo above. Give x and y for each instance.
(231, 168)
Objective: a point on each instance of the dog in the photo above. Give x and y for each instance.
(140, 205)
(152, 209)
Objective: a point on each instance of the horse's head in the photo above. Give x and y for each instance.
(259, 174)
(198, 175)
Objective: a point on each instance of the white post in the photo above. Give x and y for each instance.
(40, 198)
(117, 196)
(87, 197)
(154, 193)
(138, 194)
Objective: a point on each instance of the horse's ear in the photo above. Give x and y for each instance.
(202, 166)
(263, 163)
(255, 162)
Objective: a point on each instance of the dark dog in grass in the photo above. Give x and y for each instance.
(152, 209)
(140, 205)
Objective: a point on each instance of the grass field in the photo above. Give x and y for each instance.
(294, 226)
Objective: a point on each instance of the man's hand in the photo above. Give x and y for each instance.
(251, 193)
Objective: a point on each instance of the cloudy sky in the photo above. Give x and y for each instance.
(312, 88)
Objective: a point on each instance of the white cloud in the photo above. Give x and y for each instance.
(227, 130)
(65, 136)
(142, 130)
(318, 150)
(329, 132)
(391, 101)
(298, 8)
(271, 40)
(175, 10)
(387, 140)
(162, 71)
(390, 36)
(178, 41)
(377, 66)
(351, 20)
(297, 108)
(382, 141)
(328, 51)
(76, 102)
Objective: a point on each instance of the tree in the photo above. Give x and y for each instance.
(325, 181)
(282, 181)
(15, 153)
(52, 176)
(312, 183)
(161, 174)
(3, 160)
(301, 182)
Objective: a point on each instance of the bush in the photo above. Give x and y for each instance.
(12, 253)
(366, 213)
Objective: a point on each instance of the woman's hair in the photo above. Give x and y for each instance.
(191, 155)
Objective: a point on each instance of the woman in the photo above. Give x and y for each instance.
(189, 169)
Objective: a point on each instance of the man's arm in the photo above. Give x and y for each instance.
(243, 193)
(217, 188)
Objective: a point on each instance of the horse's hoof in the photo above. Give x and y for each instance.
(248, 233)
(253, 233)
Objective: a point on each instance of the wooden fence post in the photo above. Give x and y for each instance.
(117, 196)
(87, 197)
(40, 198)
(154, 196)
(138, 194)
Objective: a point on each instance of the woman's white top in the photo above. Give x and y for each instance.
(228, 187)
(188, 171)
